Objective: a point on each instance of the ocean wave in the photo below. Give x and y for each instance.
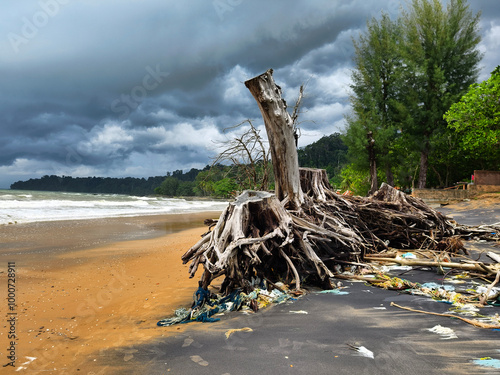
(50, 206)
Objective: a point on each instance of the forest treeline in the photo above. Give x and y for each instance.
(104, 185)
(218, 180)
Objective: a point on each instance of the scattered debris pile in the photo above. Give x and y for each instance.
(207, 307)
(304, 232)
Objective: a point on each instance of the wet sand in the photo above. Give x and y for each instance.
(87, 286)
(53, 237)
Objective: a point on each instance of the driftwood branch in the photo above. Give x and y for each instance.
(478, 267)
(473, 322)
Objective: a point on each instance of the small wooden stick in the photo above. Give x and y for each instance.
(484, 297)
(493, 256)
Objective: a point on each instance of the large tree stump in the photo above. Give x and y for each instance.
(256, 237)
(314, 183)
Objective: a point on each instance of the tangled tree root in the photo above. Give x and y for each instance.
(258, 237)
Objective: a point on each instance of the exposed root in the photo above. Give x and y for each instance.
(257, 237)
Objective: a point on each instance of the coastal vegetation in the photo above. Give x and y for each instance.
(475, 119)
(408, 73)
(104, 185)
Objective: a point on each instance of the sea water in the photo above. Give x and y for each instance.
(24, 206)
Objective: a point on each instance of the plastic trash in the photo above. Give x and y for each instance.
(408, 256)
(488, 362)
(363, 352)
(385, 269)
(483, 289)
(449, 288)
(445, 332)
(333, 291)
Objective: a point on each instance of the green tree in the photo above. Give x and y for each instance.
(441, 61)
(375, 91)
(408, 73)
(205, 180)
(168, 187)
(476, 120)
(225, 188)
(202, 186)
(185, 188)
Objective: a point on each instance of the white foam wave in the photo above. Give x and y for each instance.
(50, 206)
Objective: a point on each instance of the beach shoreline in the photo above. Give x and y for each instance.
(81, 308)
(54, 237)
(107, 290)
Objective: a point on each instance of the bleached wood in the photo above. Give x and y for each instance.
(280, 133)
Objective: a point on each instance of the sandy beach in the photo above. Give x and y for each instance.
(86, 286)
(89, 294)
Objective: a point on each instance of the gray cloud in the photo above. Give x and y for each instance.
(122, 87)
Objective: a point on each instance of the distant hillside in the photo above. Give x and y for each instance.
(328, 153)
(106, 185)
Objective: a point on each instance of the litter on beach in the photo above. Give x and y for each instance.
(231, 331)
(333, 291)
(487, 362)
(362, 351)
(207, 305)
(445, 332)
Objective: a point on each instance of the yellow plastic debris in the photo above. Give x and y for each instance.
(231, 331)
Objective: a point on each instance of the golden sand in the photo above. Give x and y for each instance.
(73, 305)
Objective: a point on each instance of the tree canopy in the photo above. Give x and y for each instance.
(476, 120)
(375, 92)
(329, 152)
(407, 74)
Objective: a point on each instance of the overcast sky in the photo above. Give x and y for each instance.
(138, 88)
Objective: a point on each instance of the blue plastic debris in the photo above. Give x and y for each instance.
(333, 291)
(408, 256)
(207, 305)
(487, 362)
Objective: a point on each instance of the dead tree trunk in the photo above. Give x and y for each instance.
(373, 163)
(280, 132)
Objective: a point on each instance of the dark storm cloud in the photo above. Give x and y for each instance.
(127, 87)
